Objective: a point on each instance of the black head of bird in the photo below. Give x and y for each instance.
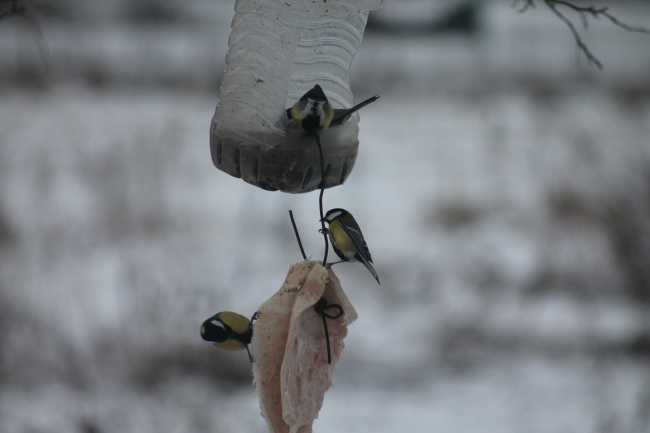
(228, 331)
(313, 112)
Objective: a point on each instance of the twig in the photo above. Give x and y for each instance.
(320, 198)
(34, 27)
(579, 42)
(295, 230)
(524, 8)
(595, 12)
(583, 12)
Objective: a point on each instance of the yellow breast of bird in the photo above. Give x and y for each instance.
(296, 115)
(230, 344)
(341, 240)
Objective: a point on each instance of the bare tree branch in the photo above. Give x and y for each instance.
(596, 12)
(32, 24)
(527, 4)
(579, 42)
(584, 12)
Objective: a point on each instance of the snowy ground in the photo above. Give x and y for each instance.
(508, 215)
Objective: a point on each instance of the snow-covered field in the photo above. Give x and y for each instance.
(504, 193)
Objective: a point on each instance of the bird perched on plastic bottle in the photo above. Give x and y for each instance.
(347, 240)
(313, 113)
(228, 331)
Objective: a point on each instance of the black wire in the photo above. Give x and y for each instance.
(295, 230)
(320, 308)
(320, 198)
(327, 340)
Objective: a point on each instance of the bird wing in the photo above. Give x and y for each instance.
(363, 253)
(352, 229)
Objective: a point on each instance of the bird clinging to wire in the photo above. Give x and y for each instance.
(313, 112)
(347, 239)
(228, 331)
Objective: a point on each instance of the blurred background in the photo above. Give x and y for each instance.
(502, 184)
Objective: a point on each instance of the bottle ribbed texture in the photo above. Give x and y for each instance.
(278, 50)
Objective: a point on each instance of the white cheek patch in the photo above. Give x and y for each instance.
(313, 107)
(218, 323)
(334, 215)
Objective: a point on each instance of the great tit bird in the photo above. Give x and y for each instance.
(228, 331)
(347, 239)
(313, 112)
